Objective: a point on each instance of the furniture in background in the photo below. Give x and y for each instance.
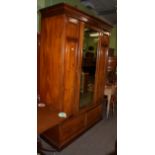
(64, 84)
(111, 77)
(111, 52)
(111, 93)
(111, 82)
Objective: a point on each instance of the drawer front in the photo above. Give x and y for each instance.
(72, 127)
(94, 115)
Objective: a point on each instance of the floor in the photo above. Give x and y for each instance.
(99, 140)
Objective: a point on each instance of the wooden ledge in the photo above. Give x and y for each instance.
(47, 117)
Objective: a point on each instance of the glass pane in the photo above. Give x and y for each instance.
(87, 81)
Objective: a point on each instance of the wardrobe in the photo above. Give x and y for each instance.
(70, 80)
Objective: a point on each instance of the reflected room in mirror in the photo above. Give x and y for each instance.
(89, 56)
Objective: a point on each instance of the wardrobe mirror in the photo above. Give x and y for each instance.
(88, 70)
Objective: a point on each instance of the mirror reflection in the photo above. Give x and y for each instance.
(88, 70)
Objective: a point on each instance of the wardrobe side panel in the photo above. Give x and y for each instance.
(52, 61)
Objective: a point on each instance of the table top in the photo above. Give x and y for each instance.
(110, 90)
(47, 117)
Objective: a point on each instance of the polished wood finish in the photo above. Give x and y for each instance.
(51, 60)
(47, 117)
(62, 134)
(70, 64)
(72, 127)
(94, 115)
(77, 14)
(101, 68)
(61, 54)
(38, 62)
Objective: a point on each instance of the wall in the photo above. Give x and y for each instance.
(40, 4)
(74, 3)
(113, 39)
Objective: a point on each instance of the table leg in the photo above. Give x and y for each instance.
(108, 105)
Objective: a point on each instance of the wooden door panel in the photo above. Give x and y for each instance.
(70, 65)
(101, 74)
(69, 75)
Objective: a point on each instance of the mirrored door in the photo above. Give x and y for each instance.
(88, 70)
